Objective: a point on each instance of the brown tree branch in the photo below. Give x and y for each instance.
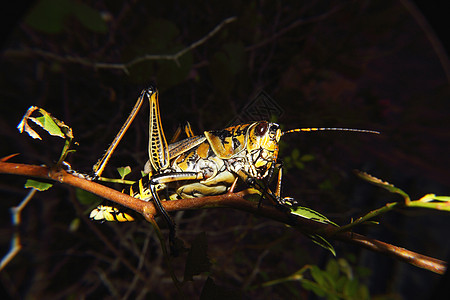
(233, 200)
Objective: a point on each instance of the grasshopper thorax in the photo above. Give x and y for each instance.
(252, 146)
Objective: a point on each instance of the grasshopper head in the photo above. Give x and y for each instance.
(262, 147)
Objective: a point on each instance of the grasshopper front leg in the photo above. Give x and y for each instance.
(285, 201)
(266, 192)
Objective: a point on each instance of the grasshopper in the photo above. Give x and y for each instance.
(202, 165)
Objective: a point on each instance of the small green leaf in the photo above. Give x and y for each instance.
(295, 154)
(38, 185)
(371, 222)
(431, 197)
(312, 286)
(332, 269)
(351, 287)
(48, 16)
(47, 123)
(124, 171)
(50, 124)
(341, 282)
(441, 198)
(317, 275)
(326, 185)
(363, 293)
(74, 225)
(345, 268)
(307, 157)
(322, 242)
(428, 201)
(310, 214)
(384, 184)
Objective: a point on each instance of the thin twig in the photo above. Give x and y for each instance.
(16, 220)
(121, 66)
(175, 57)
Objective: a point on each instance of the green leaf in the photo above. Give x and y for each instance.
(197, 260)
(307, 157)
(428, 201)
(124, 171)
(332, 269)
(363, 293)
(295, 154)
(89, 17)
(341, 282)
(384, 184)
(74, 225)
(312, 286)
(345, 268)
(326, 185)
(50, 124)
(38, 185)
(317, 275)
(432, 197)
(47, 123)
(322, 242)
(351, 288)
(310, 214)
(48, 16)
(438, 198)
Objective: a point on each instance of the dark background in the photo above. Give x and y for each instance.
(350, 64)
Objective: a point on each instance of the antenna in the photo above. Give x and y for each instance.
(329, 129)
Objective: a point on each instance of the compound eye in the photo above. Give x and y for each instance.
(261, 129)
